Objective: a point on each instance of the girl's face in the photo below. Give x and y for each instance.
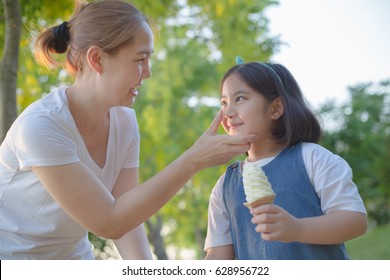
(126, 70)
(245, 110)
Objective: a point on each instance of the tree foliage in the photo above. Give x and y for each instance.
(35, 81)
(361, 135)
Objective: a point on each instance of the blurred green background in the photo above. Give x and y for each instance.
(196, 42)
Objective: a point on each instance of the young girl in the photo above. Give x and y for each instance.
(317, 206)
(69, 163)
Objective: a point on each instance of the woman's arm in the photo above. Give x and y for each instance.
(134, 245)
(225, 252)
(84, 197)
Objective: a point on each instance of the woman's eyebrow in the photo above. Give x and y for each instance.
(145, 52)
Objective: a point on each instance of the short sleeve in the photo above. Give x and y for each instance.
(218, 229)
(41, 140)
(332, 179)
(126, 137)
(133, 152)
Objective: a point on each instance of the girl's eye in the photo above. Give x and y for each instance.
(223, 103)
(141, 61)
(240, 98)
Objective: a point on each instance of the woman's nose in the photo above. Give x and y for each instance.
(146, 71)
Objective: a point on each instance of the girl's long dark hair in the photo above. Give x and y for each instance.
(272, 80)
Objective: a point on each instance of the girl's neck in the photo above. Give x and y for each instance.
(264, 150)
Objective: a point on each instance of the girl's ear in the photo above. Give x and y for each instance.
(94, 59)
(277, 108)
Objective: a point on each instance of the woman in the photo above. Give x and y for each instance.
(69, 163)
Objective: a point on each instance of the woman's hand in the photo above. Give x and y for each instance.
(211, 149)
(275, 223)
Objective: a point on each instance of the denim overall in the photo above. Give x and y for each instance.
(294, 192)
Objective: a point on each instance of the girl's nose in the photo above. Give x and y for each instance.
(228, 112)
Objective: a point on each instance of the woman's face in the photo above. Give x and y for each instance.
(126, 70)
(245, 110)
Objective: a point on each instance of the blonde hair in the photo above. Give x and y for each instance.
(108, 24)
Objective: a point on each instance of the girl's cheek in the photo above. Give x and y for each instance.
(224, 125)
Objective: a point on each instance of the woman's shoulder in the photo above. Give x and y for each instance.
(124, 110)
(123, 114)
(50, 108)
(46, 118)
(124, 127)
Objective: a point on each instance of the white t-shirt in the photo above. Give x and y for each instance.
(32, 224)
(330, 175)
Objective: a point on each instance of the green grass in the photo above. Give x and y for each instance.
(374, 245)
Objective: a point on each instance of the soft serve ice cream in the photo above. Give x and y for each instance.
(257, 188)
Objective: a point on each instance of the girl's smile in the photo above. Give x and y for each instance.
(234, 125)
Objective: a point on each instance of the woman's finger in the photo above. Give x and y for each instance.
(212, 130)
(238, 139)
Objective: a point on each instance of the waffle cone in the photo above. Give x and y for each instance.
(269, 199)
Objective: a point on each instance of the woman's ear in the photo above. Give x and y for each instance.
(94, 59)
(277, 108)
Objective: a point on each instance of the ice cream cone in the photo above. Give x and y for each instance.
(269, 199)
(257, 188)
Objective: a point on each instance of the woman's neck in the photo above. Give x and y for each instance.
(86, 111)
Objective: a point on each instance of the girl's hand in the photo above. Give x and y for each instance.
(275, 223)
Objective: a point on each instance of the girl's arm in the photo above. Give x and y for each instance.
(87, 201)
(333, 228)
(274, 223)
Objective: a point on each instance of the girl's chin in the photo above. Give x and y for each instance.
(234, 133)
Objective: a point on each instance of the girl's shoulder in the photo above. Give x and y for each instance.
(318, 159)
(316, 151)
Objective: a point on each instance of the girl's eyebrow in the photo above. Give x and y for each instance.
(240, 91)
